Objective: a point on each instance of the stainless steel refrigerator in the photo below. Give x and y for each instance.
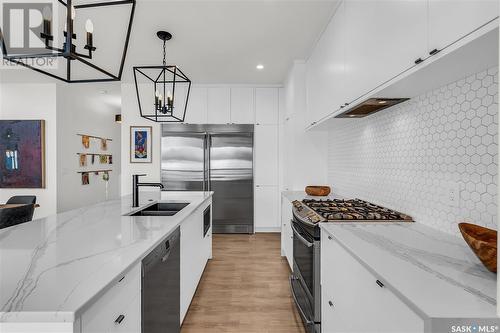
(215, 158)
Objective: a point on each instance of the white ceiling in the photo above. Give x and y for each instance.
(223, 41)
(215, 42)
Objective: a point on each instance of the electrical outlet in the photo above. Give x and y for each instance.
(453, 192)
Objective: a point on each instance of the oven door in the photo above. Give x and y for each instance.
(303, 282)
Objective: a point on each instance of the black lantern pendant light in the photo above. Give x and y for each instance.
(68, 48)
(162, 91)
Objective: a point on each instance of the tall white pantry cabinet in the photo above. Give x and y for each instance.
(242, 104)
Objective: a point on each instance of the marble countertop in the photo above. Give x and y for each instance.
(52, 267)
(435, 273)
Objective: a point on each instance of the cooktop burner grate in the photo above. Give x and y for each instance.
(353, 209)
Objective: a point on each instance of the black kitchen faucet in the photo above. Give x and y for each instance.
(135, 188)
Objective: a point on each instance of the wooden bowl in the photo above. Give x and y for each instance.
(483, 242)
(318, 190)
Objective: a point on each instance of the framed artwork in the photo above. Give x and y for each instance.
(141, 144)
(22, 154)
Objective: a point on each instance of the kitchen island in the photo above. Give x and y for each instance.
(54, 270)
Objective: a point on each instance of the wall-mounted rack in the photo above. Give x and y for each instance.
(94, 154)
(94, 171)
(95, 137)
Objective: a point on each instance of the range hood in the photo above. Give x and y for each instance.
(370, 106)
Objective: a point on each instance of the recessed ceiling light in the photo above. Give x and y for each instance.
(382, 102)
(259, 66)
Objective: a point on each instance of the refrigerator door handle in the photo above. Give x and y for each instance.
(209, 144)
(204, 163)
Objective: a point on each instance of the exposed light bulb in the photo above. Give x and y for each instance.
(46, 13)
(89, 26)
(157, 93)
(259, 66)
(169, 94)
(73, 12)
(160, 97)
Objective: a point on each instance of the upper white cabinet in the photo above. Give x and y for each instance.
(383, 39)
(242, 105)
(369, 43)
(196, 112)
(450, 20)
(266, 155)
(266, 105)
(325, 70)
(219, 106)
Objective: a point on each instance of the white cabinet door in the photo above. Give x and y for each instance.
(242, 105)
(266, 154)
(383, 39)
(266, 208)
(219, 105)
(450, 20)
(352, 291)
(325, 70)
(197, 106)
(266, 105)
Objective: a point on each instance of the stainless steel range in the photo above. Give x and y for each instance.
(305, 279)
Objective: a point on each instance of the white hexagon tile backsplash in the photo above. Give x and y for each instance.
(413, 156)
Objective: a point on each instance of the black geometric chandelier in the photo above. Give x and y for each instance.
(71, 54)
(162, 91)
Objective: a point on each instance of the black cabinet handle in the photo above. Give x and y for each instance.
(330, 303)
(330, 237)
(119, 319)
(346, 104)
(380, 284)
(418, 61)
(433, 52)
(342, 106)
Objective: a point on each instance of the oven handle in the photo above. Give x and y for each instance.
(299, 236)
(302, 313)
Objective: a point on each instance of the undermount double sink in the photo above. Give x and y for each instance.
(161, 209)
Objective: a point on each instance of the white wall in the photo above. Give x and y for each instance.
(409, 157)
(31, 101)
(86, 109)
(131, 117)
(304, 159)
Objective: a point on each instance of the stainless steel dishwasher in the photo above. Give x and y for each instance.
(161, 287)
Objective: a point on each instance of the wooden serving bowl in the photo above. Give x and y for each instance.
(318, 190)
(483, 242)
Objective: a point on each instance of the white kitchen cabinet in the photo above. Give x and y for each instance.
(266, 105)
(102, 314)
(131, 313)
(451, 20)
(196, 112)
(242, 105)
(266, 206)
(195, 252)
(218, 105)
(325, 70)
(382, 39)
(266, 155)
(352, 292)
(286, 230)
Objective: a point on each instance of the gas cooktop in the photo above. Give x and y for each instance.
(345, 210)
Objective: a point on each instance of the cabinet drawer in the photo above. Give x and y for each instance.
(100, 316)
(128, 320)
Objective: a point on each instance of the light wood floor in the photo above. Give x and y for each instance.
(244, 289)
